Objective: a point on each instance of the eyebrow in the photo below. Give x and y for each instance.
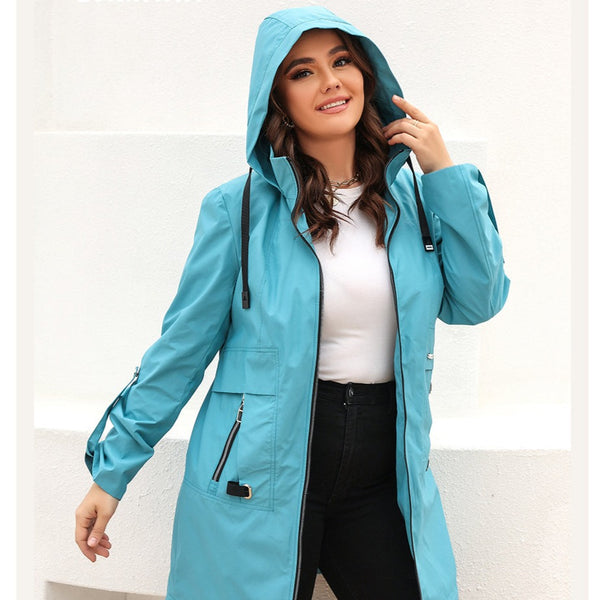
(307, 60)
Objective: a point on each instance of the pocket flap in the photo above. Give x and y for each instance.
(247, 370)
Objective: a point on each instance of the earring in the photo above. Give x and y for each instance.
(287, 122)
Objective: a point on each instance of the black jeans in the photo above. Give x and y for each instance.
(353, 530)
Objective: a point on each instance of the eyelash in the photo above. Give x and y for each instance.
(347, 60)
(303, 72)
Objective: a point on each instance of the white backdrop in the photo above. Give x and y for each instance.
(140, 109)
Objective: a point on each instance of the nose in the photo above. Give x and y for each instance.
(330, 81)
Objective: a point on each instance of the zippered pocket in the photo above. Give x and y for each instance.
(229, 442)
(231, 455)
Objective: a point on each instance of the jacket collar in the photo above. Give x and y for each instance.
(399, 154)
(286, 178)
(286, 181)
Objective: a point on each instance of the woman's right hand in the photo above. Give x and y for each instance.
(91, 518)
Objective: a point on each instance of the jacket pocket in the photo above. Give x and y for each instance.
(234, 459)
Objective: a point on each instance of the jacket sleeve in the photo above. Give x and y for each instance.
(468, 245)
(193, 330)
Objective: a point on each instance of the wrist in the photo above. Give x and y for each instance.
(439, 166)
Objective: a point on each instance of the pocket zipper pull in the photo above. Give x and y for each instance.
(229, 441)
(240, 412)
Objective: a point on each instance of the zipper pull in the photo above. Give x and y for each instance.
(136, 374)
(240, 411)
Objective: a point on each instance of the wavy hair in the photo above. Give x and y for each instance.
(315, 193)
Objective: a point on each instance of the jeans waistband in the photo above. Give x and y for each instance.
(357, 393)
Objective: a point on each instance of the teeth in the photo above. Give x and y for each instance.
(338, 103)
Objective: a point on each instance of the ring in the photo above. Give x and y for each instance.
(414, 123)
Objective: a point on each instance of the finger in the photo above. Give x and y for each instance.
(82, 528)
(103, 547)
(402, 126)
(87, 551)
(101, 551)
(97, 531)
(409, 109)
(404, 138)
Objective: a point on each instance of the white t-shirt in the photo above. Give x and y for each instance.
(358, 327)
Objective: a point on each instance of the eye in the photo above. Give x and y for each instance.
(300, 74)
(342, 61)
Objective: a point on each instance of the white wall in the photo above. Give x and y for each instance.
(126, 92)
(141, 109)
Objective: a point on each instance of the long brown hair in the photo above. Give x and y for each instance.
(315, 193)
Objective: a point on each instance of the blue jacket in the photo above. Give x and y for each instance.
(240, 507)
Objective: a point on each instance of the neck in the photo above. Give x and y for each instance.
(336, 155)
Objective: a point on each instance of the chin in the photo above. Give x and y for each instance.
(336, 128)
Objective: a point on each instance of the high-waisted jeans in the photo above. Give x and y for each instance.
(353, 530)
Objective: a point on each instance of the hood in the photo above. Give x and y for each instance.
(276, 36)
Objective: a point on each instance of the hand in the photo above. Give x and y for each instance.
(420, 135)
(91, 518)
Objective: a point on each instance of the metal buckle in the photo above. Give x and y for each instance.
(249, 491)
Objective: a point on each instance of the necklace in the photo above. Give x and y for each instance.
(338, 184)
(335, 185)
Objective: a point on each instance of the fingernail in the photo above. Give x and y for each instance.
(92, 542)
(396, 97)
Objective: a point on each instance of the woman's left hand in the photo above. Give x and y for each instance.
(420, 135)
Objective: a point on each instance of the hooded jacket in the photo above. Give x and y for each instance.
(240, 510)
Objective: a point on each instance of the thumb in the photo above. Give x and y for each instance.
(98, 529)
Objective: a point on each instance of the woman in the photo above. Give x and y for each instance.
(311, 449)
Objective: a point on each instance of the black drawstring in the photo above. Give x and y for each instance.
(245, 240)
(425, 235)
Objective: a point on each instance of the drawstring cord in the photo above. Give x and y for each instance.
(425, 235)
(245, 240)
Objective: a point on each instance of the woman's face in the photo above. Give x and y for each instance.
(320, 88)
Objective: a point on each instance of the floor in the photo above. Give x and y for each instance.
(56, 591)
(322, 590)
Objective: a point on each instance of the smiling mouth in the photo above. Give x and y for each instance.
(334, 104)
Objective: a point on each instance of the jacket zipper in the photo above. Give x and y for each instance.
(229, 442)
(403, 394)
(312, 407)
(310, 435)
